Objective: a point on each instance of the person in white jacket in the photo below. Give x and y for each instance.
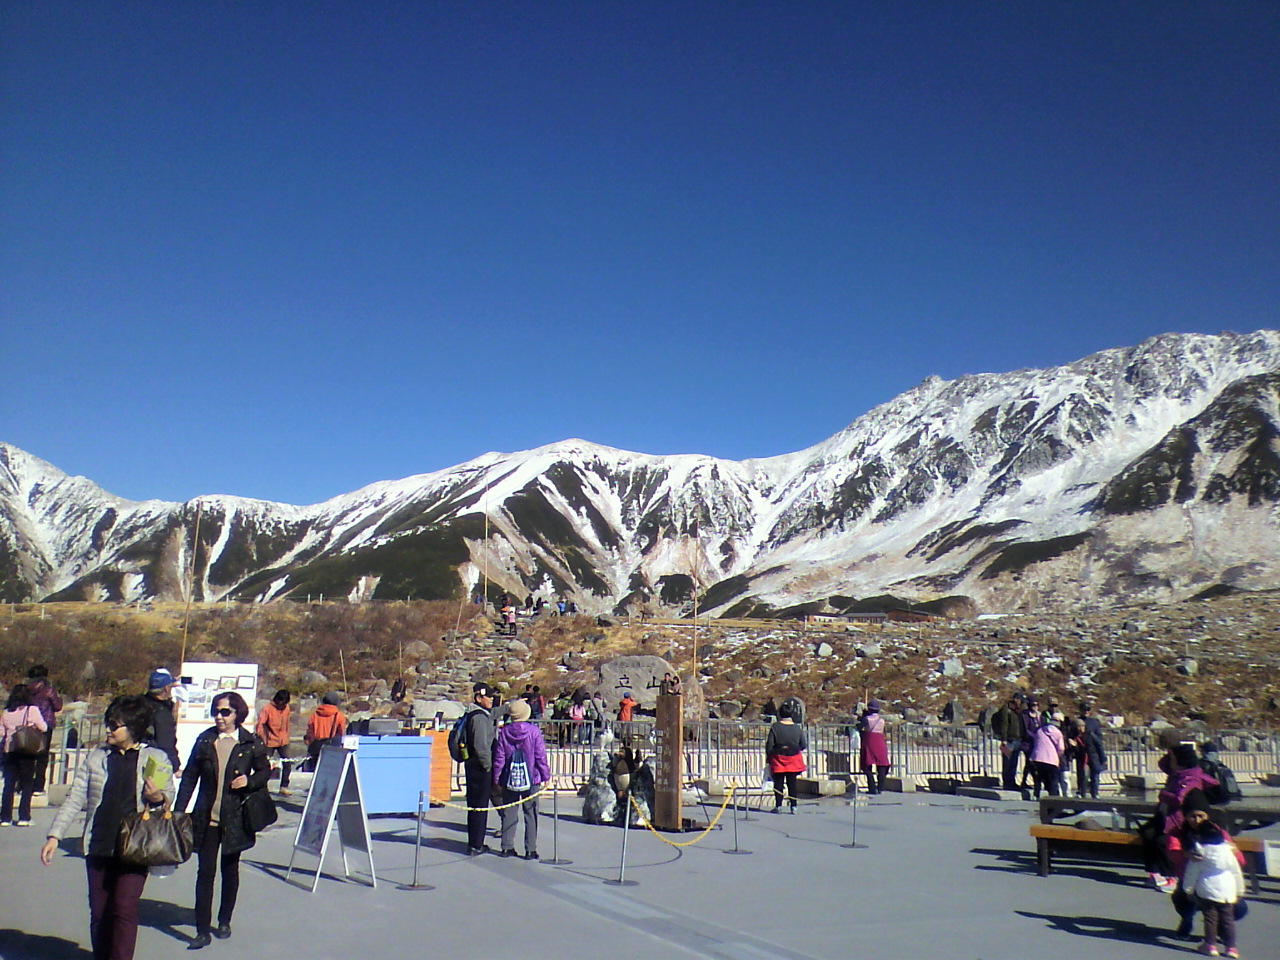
(1214, 876)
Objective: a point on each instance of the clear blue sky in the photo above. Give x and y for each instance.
(284, 249)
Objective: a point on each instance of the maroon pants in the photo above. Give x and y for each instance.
(114, 893)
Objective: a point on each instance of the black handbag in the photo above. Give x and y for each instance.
(259, 811)
(155, 838)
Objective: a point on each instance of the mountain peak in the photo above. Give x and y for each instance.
(1144, 472)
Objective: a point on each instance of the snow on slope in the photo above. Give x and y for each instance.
(911, 496)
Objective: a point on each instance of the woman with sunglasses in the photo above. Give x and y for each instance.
(110, 783)
(228, 763)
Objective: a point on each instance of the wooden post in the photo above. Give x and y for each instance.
(668, 758)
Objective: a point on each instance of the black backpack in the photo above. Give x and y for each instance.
(1228, 788)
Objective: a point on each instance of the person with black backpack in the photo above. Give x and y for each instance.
(1228, 787)
(520, 768)
(471, 743)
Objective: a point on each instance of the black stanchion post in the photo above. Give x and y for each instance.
(555, 860)
(622, 881)
(417, 845)
(738, 851)
(854, 844)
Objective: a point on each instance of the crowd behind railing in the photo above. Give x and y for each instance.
(732, 751)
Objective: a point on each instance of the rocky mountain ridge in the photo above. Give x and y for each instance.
(1138, 474)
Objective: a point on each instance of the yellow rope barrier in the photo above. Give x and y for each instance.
(504, 806)
(688, 843)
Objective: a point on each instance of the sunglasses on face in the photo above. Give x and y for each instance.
(223, 712)
(113, 725)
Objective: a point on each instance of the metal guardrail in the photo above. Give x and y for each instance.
(733, 751)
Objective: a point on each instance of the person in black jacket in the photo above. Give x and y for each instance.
(1008, 727)
(228, 763)
(164, 726)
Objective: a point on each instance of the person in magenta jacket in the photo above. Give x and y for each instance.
(518, 787)
(1047, 749)
(873, 747)
(50, 702)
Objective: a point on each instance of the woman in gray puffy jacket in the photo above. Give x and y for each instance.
(113, 781)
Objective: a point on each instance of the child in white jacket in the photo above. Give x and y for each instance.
(1213, 875)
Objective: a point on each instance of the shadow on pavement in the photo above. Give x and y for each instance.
(1022, 861)
(166, 917)
(16, 945)
(1108, 928)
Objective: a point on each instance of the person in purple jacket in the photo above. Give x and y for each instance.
(520, 769)
(46, 699)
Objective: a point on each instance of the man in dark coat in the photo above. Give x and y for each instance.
(478, 742)
(1008, 727)
(164, 726)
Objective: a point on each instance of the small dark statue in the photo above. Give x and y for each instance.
(617, 770)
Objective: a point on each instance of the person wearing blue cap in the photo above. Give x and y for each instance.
(164, 725)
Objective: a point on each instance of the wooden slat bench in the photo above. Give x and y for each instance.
(1048, 835)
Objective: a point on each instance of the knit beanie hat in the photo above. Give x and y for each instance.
(1195, 800)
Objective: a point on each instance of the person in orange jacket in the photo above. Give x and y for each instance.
(273, 729)
(326, 725)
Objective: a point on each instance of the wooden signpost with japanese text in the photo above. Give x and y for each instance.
(668, 761)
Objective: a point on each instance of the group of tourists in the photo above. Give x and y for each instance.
(509, 606)
(137, 767)
(507, 763)
(26, 731)
(1191, 857)
(787, 741)
(1051, 746)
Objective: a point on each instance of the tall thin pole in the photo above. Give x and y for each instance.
(485, 563)
(191, 587)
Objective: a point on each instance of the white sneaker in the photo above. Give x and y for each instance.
(23, 823)
(6, 823)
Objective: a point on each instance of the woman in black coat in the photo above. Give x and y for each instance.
(228, 762)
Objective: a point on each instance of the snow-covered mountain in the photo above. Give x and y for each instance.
(1133, 474)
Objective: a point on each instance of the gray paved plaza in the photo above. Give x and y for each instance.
(938, 877)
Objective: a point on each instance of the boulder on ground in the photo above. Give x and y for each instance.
(427, 709)
(416, 649)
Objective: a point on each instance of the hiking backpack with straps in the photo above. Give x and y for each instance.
(459, 749)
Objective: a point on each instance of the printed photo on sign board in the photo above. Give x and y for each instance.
(246, 682)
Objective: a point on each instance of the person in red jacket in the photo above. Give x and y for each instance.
(784, 753)
(273, 730)
(625, 707)
(326, 725)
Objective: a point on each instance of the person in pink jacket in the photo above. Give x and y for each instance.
(19, 768)
(1046, 757)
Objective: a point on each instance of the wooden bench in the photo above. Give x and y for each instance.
(1235, 816)
(1047, 835)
